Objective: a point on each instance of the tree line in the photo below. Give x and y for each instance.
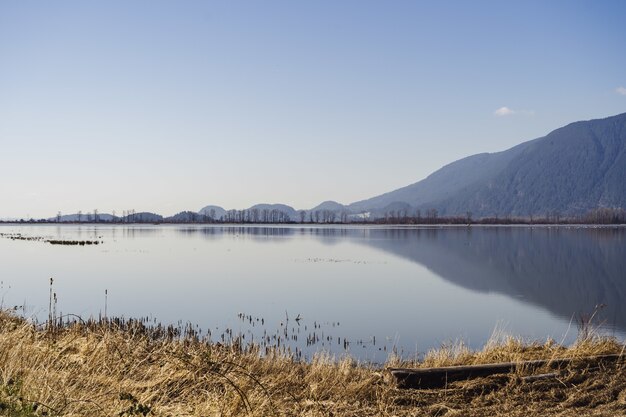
(601, 215)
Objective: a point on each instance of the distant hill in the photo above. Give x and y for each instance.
(143, 217)
(571, 170)
(84, 218)
(264, 210)
(213, 212)
(328, 212)
(186, 217)
(330, 205)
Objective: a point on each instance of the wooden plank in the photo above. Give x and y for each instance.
(440, 377)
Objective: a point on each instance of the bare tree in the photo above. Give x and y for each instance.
(431, 215)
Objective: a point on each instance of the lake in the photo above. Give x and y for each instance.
(361, 290)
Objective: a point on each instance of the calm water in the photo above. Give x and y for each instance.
(374, 287)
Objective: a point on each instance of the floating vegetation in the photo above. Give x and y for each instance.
(335, 261)
(69, 242)
(73, 242)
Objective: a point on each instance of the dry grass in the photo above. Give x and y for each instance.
(126, 369)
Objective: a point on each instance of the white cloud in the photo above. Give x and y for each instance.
(621, 90)
(504, 111)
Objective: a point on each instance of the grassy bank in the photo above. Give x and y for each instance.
(128, 369)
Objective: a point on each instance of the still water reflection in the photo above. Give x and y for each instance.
(364, 289)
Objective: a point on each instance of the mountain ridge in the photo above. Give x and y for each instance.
(572, 169)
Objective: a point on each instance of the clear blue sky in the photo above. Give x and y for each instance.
(172, 105)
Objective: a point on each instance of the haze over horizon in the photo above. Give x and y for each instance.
(163, 107)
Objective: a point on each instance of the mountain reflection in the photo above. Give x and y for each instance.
(567, 271)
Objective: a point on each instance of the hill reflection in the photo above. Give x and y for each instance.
(567, 271)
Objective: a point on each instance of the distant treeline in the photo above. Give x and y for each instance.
(596, 216)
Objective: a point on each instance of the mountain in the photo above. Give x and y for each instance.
(571, 170)
(392, 210)
(266, 211)
(186, 217)
(143, 217)
(84, 218)
(330, 206)
(213, 212)
(327, 212)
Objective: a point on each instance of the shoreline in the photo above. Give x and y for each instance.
(332, 225)
(104, 367)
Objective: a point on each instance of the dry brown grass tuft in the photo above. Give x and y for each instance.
(127, 369)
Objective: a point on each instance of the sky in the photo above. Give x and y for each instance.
(166, 106)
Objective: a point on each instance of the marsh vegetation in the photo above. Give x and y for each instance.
(114, 367)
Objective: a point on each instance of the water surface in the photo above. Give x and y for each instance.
(364, 290)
